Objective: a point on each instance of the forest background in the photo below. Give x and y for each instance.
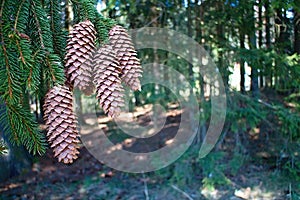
(256, 47)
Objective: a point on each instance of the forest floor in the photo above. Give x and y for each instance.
(87, 178)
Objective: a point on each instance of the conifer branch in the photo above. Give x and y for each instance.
(55, 71)
(33, 46)
(52, 16)
(22, 123)
(51, 69)
(2, 6)
(102, 24)
(13, 131)
(17, 15)
(20, 51)
(58, 35)
(38, 24)
(9, 79)
(24, 48)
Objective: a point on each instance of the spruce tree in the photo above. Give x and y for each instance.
(40, 59)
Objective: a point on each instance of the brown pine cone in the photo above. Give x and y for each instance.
(80, 48)
(127, 57)
(61, 122)
(109, 90)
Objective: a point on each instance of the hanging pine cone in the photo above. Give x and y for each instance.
(61, 121)
(80, 48)
(108, 84)
(127, 57)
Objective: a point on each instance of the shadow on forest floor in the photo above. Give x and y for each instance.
(87, 178)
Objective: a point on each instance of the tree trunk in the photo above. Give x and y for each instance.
(297, 32)
(283, 45)
(254, 71)
(190, 34)
(268, 24)
(221, 41)
(269, 76)
(260, 24)
(200, 17)
(260, 40)
(242, 61)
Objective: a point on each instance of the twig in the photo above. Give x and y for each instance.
(267, 104)
(182, 192)
(290, 191)
(145, 187)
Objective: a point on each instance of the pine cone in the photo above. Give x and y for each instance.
(127, 57)
(108, 84)
(80, 48)
(61, 123)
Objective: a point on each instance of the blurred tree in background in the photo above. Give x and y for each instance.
(255, 45)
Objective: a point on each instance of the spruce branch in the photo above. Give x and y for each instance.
(7, 128)
(21, 6)
(37, 23)
(31, 72)
(24, 127)
(10, 86)
(47, 57)
(59, 36)
(55, 72)
(7, 66)
(22, 41)
(103, 25)
(4, 51)
(87, 10)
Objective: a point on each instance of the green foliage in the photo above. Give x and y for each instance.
(58, 34)
(236, 163)
(31, 59)
(292, 168)
(24, 129)
(291, 72)
(213, 171)
(289, 122)
(244, 112)
(85, 9)
(26, 49)
(183, 171)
